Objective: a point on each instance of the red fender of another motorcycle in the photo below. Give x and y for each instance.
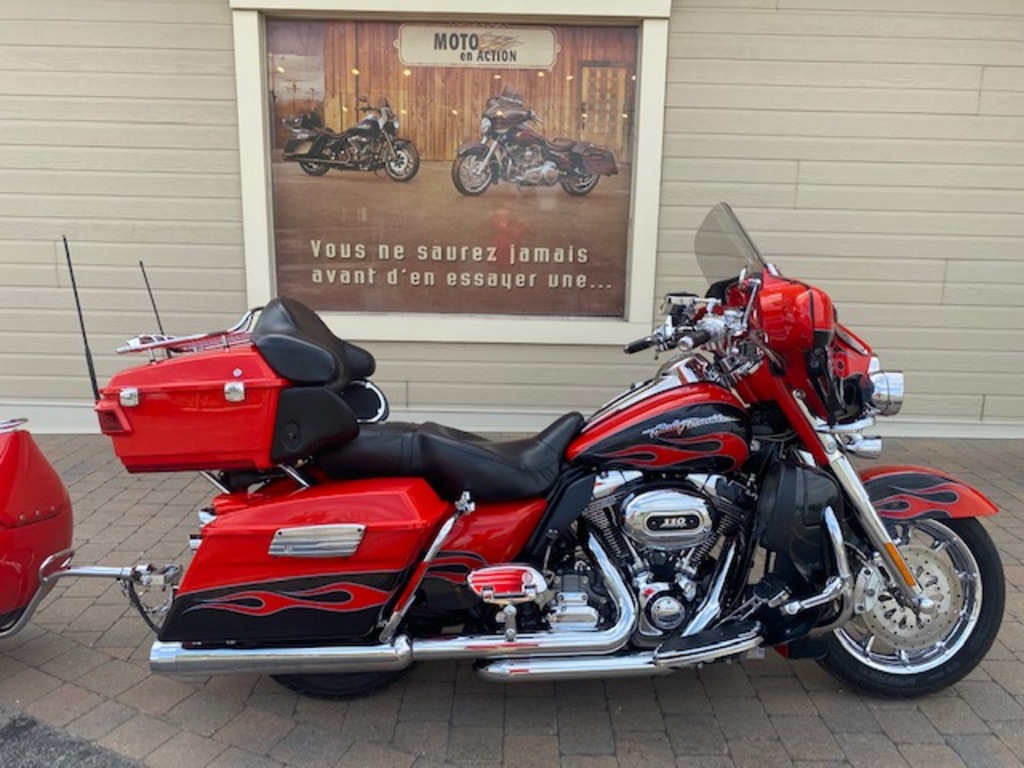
(902, 493)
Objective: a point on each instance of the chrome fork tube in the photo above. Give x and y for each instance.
(849, 480)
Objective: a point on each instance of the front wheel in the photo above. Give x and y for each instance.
(404, 162)
(470, 175)
(577, 186)
(887, 649)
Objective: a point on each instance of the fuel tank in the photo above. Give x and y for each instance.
(675, 422)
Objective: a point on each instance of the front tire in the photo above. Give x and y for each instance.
(314, 169)
(404, 163)
(887, 649)
(470, 176)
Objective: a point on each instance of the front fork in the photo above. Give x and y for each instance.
(904, 580)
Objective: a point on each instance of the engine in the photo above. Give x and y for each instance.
(662, 536)
(529, 166)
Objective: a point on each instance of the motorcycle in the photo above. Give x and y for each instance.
(509, 150)
(369, 145)
(703, 515)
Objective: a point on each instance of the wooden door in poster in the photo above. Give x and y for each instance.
(605, 114)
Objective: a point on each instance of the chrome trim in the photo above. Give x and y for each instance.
(840, 585)
(234, 391)
(864, 447)
(530, 670)
(175, 659)
(236, 334)
(821, 427)
(11, 425)
(317, 541)
(746, 642)
(712, 605)
(608, 483)
(295, 475)
(644, 512)
(128, 397)
(887, 396)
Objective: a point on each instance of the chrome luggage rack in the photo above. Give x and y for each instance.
(171, 345)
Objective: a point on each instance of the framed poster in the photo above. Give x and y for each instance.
(557, 230)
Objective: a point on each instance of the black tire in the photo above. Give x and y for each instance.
(935, 651)
(469, 175)
(404, 164)
(342, 686)
(578, 186)
(314, 169)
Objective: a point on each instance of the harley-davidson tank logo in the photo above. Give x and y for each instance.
(679, 427)
(347, 597)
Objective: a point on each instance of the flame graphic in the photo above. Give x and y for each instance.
(911, 502)
(352, 597)
(454, 566)
(721, 444)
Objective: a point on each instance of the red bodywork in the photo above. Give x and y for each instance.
(35, 518)
(184, 419)
(696, 427)
(905, 492)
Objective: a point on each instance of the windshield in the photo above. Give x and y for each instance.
(723, 246)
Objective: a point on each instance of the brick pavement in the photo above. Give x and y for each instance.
(81, 668)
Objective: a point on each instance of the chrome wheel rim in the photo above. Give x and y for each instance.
(401, 162)
(887, 636)
(473, 173)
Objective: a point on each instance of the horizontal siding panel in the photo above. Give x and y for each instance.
(1011, 8)
(166, 186)
(57, 318)
(130, 11)
(196, 160)
(512, 374)
(938, 361)
(86, 254)
(714, 170)
(1003, 78)
(939, 407)
(710, 193)
(115, 33)
(456, 394)
(120, 230)
(982, 294)
(999, 407)
(1002, 103)
(968, 383)
(899, 339)
(841, 125)
(128, 208)
(127, 111)
(848, 148)
(27, 57)
(852, 49)
(151, 136)
(887, 28)
(910, 199)
(103, 298)
(1008, 271)
(147, 86)
(765, 97)
(952, 176)
(821, 74)
(937, 318)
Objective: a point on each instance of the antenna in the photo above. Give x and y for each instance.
(81, 324)
(159, 324)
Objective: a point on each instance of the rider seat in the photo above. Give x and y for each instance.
(561, 145)
(453, 461)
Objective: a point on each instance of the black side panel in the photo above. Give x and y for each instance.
(298, 610)
(308, 418)
(568, 502)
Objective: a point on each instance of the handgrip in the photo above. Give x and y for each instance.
(695, 339)
(639, 345)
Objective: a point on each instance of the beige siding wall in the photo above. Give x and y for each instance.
(876, 148)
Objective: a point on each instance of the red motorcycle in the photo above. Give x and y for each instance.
(703, 515)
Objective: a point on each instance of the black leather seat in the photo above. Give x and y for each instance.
(453, 461)
(297, 344)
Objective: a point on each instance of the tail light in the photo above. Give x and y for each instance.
(112, 421)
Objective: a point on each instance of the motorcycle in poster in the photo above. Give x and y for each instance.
(702, 515)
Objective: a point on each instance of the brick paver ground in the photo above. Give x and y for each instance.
(81, 668)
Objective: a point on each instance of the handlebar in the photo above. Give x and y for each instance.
(640, 345)
(696, 339)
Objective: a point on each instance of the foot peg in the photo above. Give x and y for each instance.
(709, 645)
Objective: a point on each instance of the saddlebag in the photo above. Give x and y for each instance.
(595, 159)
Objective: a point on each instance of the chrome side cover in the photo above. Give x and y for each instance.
(317, 541)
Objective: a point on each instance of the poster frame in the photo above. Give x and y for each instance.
(651, 17)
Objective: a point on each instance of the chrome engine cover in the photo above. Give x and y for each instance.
(666, 519)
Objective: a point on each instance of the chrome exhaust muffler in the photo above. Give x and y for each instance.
(401, 651)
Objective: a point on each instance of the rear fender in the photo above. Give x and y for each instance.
(906, 492)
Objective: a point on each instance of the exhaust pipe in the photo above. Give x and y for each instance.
(529, 670)
(400, 652)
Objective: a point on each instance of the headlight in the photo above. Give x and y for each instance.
(395, 121)
(887, 389)
(485, 124)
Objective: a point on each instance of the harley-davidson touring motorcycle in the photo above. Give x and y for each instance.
(510, 150)
(371, 144)
(703, 515)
